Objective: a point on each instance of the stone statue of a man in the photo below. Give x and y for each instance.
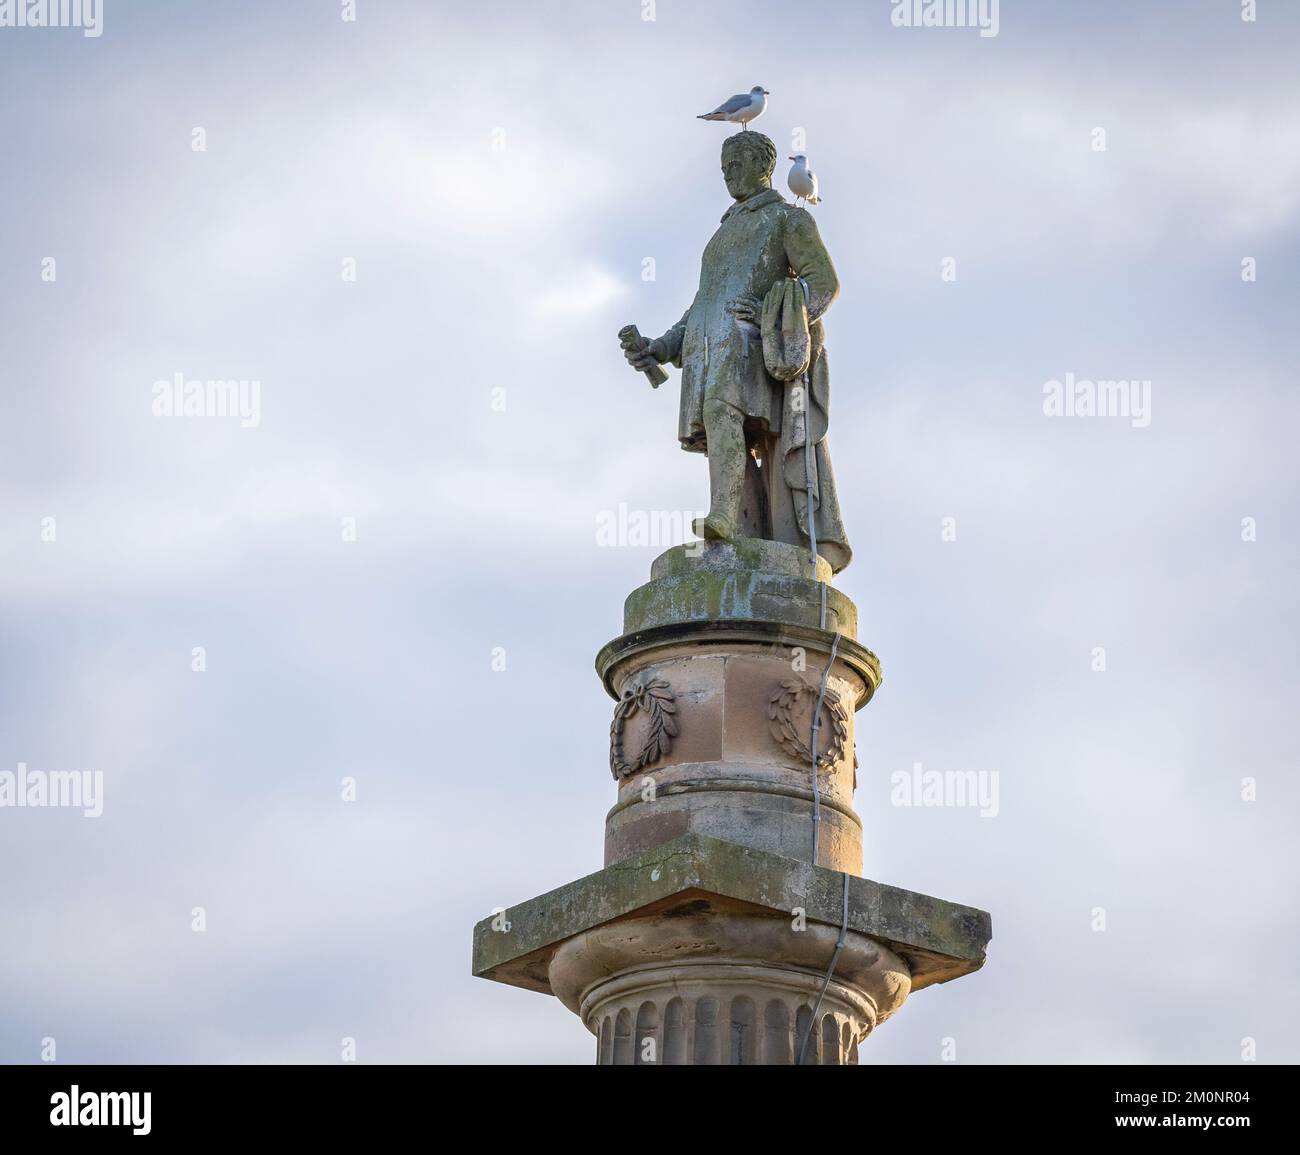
(754, 427)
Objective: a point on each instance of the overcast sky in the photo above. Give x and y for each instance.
(499, 174)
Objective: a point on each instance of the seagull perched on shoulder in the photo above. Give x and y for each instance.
(740, 109)
(802, 182)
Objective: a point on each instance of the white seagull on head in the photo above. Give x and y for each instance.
(740, 109)
(802, 182)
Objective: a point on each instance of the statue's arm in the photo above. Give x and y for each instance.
(646, 356)
(672, 340)
(810, 260)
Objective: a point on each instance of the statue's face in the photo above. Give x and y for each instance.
(745, 174)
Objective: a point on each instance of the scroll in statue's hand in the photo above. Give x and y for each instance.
(642, 354)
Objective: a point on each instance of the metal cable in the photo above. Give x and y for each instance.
(830, 970)
(821, 699)
(816, 723)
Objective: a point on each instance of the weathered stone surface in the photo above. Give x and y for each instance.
(769, 809)
(627, 654)
(739, 985)
(938, 940)
(713, 584)
(743, 555)
(739, 766)
(728, 773)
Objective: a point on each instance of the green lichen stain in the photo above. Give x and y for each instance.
(714, 595)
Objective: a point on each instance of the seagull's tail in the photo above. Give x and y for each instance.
(710, 116)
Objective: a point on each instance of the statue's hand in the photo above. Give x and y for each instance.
(647, 355)
(747, 308)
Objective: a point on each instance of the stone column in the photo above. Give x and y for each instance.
(709, 935)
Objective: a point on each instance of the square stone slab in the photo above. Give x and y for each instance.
(940, 940)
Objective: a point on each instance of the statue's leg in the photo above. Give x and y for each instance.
(724, 426)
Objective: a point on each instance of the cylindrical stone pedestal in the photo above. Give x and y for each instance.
(717, 675)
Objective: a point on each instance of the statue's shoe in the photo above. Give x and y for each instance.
(713, 528)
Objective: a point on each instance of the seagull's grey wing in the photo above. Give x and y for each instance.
(735, 104)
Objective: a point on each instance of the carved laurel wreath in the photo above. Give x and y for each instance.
(656, 698)
(781, 724)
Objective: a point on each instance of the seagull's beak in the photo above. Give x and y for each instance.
(791, 158)
(766, 93)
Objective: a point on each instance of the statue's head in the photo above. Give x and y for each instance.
(748, 159)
